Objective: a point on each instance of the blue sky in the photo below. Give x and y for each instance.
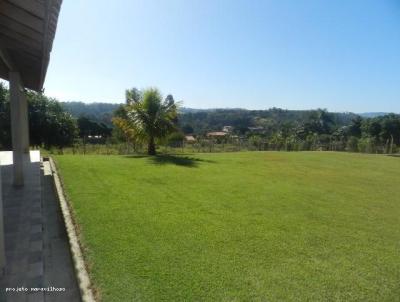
(341, 55)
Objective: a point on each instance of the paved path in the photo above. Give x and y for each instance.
(37, 250)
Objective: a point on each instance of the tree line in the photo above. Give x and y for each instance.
(50, 125)
(278, 129)
(273, 129)
(147, 120)
(369, 135)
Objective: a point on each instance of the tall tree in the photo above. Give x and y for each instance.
(133, 95)
(49, 123)
(355, 127)
(148, 117)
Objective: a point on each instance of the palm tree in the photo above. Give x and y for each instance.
(150, 117)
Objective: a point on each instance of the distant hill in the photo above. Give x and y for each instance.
(372, 114)
(99, 112)
(201, 120)
(195, 110)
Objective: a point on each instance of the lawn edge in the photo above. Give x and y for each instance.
(80, 266)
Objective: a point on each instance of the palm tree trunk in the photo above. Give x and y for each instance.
(151, 148)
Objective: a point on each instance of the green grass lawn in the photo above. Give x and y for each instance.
(259, 226)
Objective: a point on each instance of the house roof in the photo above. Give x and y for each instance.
(217, 133)
(27, 30)
(190, 138)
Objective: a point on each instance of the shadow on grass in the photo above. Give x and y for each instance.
(174, 159)
(136, 156)
(185, 161)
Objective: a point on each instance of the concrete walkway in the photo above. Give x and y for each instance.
(38, 260)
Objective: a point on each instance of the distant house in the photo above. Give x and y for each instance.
(190, 138)
(217, 134)
(227, 129)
